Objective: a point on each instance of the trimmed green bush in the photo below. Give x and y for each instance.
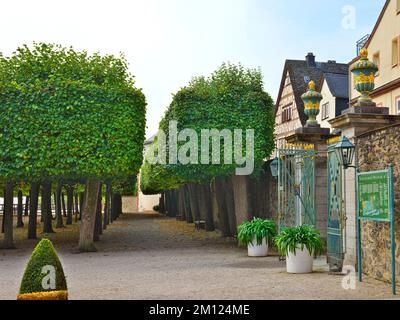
(156, 208)
(43, 255)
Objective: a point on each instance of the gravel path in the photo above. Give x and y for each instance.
(153, 257)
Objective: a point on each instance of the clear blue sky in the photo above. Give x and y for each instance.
(169, 41)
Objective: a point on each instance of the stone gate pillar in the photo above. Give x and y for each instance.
(354, 121)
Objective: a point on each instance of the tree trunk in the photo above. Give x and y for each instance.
(221, 194)
(63, 204)
(86, 243)
(59, 214)
(98, 228)
(194, 205)
(107, 206)
(27, 200)
(162, 203)
(180, 205)
(189, 215)
(8, 240)
(214, 205)
(113, 214)
(205, 206)
(46, 206)
(20, 209)
(70, 204)
(82, 198)
(76, 202)
(243, 210)
(167, 202)
(119, 205)
(33, 208)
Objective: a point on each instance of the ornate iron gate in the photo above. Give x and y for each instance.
(336, 217)
(296, 185)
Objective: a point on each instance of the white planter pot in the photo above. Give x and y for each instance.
(254, 250)
(301, 262)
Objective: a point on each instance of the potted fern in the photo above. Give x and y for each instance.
(299, 245)
(255, 234)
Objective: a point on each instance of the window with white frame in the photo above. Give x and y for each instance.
(325, 111)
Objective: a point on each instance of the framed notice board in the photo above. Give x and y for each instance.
(375, 202)
(373, 195)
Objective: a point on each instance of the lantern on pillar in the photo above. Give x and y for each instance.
(364, 72)
(312, 100)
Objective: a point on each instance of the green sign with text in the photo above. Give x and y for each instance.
(373, 195)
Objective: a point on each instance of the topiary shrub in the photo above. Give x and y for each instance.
(156, 208)
(37, 282)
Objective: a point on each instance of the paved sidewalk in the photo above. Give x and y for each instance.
(153, 257)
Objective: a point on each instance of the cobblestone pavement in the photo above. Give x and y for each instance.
(153, 257)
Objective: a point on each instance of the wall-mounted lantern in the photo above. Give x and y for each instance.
(345, 150)
(274, 166)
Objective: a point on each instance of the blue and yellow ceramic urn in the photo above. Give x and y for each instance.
(312, 100)
(364, 72)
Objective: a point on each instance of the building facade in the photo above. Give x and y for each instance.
(384, 50)
(289, 109)
(335, 93)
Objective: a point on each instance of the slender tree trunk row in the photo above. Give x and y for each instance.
(225, 203)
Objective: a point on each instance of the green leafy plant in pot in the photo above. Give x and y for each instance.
(255, 234)
(299, 245)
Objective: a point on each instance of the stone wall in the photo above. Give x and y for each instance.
(376, 150)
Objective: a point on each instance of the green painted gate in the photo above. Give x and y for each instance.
(336, 216)
(296, 186)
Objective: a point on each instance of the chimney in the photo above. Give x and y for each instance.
(310, 58)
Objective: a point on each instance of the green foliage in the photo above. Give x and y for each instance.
(126, 187)
(256, 228)
(67, 114)
(156, 208)
(43, 255)
(299, 237)
(231, 98)
(155, 178)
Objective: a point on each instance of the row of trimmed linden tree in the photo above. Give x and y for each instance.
(213, 193)
(69, 121)
(231, 98)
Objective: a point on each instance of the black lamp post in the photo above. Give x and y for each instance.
(345, 150)
(274, 166)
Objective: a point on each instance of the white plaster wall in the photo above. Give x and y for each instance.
(327, 97)
(146, 203)
(129, 204)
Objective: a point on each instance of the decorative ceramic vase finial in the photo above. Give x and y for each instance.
(364, 72)
(312, 100)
